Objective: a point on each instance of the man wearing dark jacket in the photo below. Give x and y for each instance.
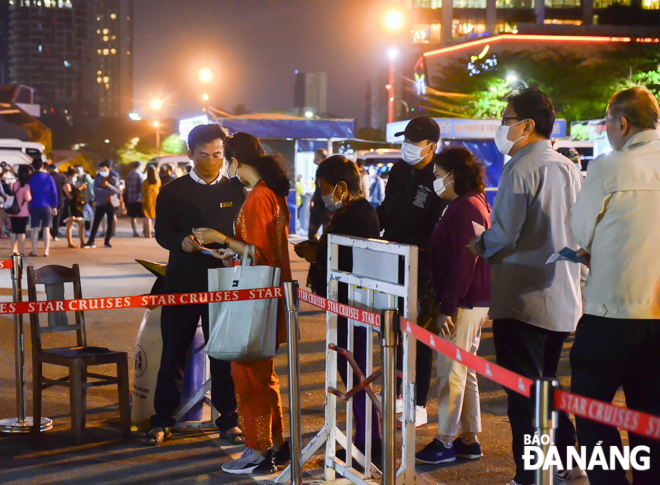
(408, 215)
(202, 198)
(58, 178)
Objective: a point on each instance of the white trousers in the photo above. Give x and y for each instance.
(458, 390)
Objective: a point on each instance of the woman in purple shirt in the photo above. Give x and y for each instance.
(461, 282)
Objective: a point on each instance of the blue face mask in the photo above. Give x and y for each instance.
(412, 154)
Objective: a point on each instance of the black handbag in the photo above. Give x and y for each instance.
(12, 207)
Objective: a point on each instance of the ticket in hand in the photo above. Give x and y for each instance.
(566, 254)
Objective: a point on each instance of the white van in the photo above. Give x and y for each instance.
(24, 151)
(382, 158)
(180, 162)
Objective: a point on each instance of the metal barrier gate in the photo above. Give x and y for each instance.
(383, 275)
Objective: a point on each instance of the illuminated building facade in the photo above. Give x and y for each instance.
(114, 35)
(433, 23)
(61, 48)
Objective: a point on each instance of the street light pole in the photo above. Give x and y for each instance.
(392, 53)
(157, 125)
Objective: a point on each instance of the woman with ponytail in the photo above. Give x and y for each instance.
(262, 222)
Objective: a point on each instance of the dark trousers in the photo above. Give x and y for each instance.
(360, 336)
(57, 222)
(102, 210)
(423, 369)
(532, 352)
(178, 326)
(609, 353)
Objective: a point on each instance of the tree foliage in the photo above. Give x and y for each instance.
(579, 85)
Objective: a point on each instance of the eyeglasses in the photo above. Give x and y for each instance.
(507, 118)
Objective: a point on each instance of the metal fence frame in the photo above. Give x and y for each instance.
(330, 434)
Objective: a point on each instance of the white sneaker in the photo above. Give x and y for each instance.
(251, 462)
(571, 477)
(421, 417)
(398, 403)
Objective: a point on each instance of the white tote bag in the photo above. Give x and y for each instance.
(243, 330)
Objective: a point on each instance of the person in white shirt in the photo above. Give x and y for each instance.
(534, 305)
(615, 220)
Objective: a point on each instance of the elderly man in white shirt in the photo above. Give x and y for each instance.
(615, 220)
(534, 305)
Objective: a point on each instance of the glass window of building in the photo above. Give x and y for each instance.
(469, 3)
(651, 4)
(607, 3)
(563, 3)
(515, 3)
(424, 3)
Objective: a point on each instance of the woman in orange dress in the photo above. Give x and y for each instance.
(262, 222)
(150, 189)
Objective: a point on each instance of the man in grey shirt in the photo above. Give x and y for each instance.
(534, 306)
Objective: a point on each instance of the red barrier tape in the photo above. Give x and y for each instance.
(118, 302)
(362, 316)
(599, 411)
(494, 372)
(609, 414)
(6, 264)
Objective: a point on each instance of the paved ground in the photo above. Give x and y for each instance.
(194, 456)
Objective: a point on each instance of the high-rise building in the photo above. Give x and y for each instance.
(76, 54)
(114, 33)
(51, 50)
(4, 42)
(311, 92)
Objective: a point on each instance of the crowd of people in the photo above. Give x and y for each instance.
(49, 200)
(476, 263)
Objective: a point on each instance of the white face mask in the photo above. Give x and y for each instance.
(329, 201)
(104, 173)
(412, 154)
(504, 145)
(439, 185)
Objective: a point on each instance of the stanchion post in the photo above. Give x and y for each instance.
(17, 277)
(22, 423)
(545, 422)
(389, 330)
(291, 301)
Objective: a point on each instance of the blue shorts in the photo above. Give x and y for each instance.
(41, 216)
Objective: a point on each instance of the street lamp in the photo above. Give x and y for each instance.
(512, 78)
(393, 20)
(205, 75)
(156, 104)
(157, 126)
(392, 53)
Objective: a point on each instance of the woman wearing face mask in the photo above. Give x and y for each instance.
(352, 215)
(75, 200)
(461, 282)
(262, 222)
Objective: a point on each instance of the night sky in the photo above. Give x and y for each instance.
(253, 48)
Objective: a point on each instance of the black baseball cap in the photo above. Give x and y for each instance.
(421, 128)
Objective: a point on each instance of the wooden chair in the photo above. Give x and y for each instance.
(77, 358)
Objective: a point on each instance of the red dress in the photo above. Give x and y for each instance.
(263, 222)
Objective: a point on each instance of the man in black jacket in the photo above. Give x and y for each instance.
(59, 186)
(408, 215)
(202, 198)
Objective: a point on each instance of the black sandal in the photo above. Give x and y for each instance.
(233, 437)
(156, 436)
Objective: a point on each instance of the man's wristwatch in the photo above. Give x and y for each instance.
(225, 244)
